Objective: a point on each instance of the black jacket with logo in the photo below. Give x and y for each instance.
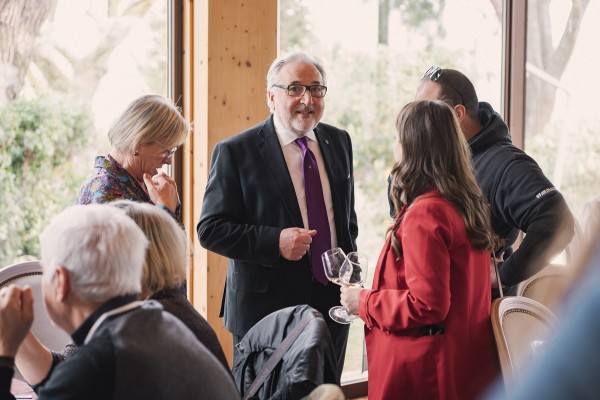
(521, 198)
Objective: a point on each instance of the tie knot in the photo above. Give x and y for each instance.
(302, 143)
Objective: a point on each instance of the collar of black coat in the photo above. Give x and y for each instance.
(80, 333)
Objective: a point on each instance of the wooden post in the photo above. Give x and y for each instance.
(229, 47)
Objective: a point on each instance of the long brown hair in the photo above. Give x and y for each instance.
(435, 155)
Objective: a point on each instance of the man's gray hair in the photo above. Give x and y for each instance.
(100, 246)
(279, 62)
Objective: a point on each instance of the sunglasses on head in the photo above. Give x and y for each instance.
(435, 73)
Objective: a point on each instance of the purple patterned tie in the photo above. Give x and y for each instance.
(315, 207)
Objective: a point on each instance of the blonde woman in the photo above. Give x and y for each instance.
(143, 139)
(165, 270)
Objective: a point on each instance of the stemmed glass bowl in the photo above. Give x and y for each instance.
(348, 270)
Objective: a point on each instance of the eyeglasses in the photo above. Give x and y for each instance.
(435, 73)
(168, 152)
(296, 90)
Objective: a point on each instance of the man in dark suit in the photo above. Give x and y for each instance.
(255, 209)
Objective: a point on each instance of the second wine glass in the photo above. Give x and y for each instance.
(332, 262)
(353, 273)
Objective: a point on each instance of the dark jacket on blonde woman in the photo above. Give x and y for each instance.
(177, 304)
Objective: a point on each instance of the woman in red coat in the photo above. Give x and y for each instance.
(427, 316)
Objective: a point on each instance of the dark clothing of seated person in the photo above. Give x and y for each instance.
(178, 305)
(119, 362)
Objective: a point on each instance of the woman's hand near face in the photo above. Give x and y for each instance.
(349, 298)
(162, 190)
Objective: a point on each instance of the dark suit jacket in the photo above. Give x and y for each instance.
(249, 200)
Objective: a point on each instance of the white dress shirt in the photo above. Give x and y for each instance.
(293, 159)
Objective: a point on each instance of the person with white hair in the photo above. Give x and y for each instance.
(163, 272)
(92, 258)
(280, 194)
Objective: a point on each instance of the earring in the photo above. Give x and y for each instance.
(137, 152)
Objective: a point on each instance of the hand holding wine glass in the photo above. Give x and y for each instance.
(332, 262)
(351, 272)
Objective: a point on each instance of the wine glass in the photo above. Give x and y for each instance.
(352, 273)
(332, 262)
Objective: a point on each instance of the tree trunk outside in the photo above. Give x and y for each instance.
(384, 18)
(20, 23)
(542, 55)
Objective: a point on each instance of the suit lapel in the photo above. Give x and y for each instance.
(271, 153)
(326, 147)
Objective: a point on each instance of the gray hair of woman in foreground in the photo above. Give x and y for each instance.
(102, 249)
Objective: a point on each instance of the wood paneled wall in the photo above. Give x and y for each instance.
(229, 45)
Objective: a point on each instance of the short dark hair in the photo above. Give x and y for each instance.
(456, 88)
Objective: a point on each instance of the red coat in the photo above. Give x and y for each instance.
(440, 279)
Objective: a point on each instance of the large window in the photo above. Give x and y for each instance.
(70, 69)
(561, 124)
(375, 52)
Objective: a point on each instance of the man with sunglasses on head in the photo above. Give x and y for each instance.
(521, 197)
(279, 195)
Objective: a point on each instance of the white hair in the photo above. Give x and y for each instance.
(102, 249)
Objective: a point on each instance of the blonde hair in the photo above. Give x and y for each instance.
(148, 119)
(165, 262)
